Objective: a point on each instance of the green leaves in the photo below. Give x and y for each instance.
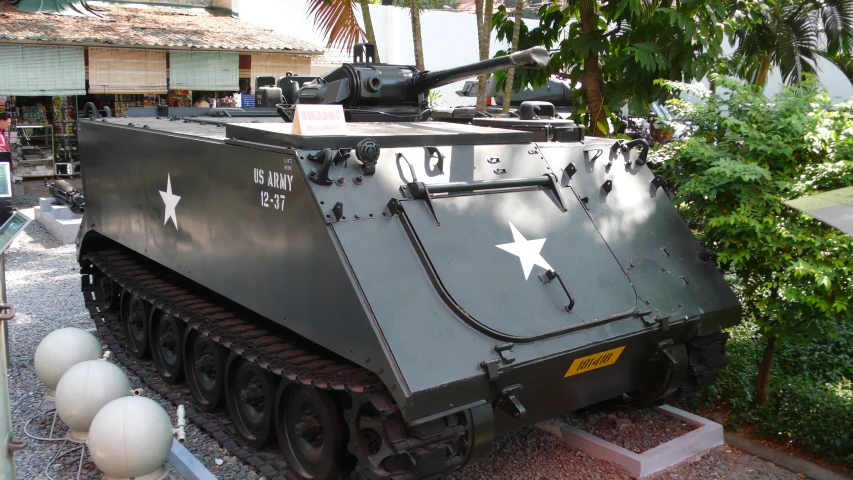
(633, 42)
(747, 155)
(811, 401)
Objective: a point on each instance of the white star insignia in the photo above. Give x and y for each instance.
(526, 250)
(171, 202)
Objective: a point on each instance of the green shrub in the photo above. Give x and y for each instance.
(791, 370)
(811, 397)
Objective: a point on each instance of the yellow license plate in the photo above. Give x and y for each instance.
(596, 360)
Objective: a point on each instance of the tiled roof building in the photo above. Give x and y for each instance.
(58, 55)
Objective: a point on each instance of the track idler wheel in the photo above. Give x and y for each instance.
(204, 366)
(166, 337)
(310, 431)
(108, 291)
(668, 370)
(135, 315)
(250, 393)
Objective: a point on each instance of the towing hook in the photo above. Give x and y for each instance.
(643, 154)
(617, 146)
(625, 147)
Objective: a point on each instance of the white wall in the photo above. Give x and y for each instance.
(449, 38)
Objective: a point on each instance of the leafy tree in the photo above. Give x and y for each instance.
(616, 49)
(746, 156)
(791, 35)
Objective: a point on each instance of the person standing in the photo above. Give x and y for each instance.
(6, 209)
(5, 153)
(5, 122)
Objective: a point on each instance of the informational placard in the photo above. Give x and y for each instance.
(15, 225)
(5, 179)
(319, 120)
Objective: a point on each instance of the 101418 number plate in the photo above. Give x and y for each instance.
(594, 361)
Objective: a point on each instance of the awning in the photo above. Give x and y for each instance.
(277, 65)
(834, 207)
(204, 71)
(128, 71)
(27, 70)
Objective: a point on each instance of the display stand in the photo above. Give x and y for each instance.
(67, 158)
(8, 442)
(35, 150)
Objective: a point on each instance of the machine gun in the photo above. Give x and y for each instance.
(65, 194)
(378, 92)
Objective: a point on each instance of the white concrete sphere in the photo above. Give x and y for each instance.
(62, 349)
(86, 388)
(130, 437)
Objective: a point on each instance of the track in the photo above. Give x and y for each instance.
(383, 446)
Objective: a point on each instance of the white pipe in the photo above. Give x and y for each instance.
(182, 422)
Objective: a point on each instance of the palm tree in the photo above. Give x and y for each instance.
(792, 35)
(337, 20)
(415, 13)
(483, 15)
(516, 32)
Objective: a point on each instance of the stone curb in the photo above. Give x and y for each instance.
(794, 464)
(186, 464)
(706, 436)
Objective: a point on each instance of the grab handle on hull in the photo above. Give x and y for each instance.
(550, 275)
(422, 191)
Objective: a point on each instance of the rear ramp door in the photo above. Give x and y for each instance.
(490, 254)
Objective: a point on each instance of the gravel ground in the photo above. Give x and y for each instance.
(634, 430)
(43, 283)
(728, 463)
(533, 454)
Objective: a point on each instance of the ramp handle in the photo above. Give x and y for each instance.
(552, 274)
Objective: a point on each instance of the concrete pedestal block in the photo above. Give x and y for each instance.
(59, 220)
(706, 436)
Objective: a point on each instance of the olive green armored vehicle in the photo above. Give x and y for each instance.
(382, 302)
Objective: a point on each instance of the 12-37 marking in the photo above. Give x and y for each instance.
(276, 200)
(273, 180)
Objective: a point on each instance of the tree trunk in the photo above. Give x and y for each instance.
(591, 79)
(481, 80)
(763, 70)
(416, 34)
(484, 28)
(368, 25)
(510, 74)
(763, 386)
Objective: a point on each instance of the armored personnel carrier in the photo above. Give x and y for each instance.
(384, 302)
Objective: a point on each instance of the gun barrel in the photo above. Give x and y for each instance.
(536, 57)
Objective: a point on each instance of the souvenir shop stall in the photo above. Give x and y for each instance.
(42, 136)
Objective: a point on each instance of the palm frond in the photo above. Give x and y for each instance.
(796, 39)
(837, 19)
(337, 21)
